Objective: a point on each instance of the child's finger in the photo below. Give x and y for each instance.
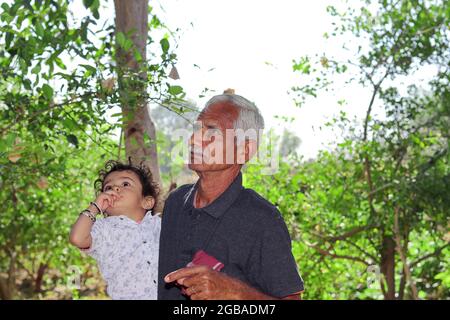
(107, 194)
(106, 202)
(115, 194)
(111, 200)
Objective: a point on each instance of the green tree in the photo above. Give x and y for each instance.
(399, 163)
(62, 77)
(379, 201)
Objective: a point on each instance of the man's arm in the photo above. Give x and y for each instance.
(203, 283)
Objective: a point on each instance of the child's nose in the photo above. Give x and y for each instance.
(116, 188)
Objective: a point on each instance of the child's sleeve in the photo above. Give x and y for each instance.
(98, 235)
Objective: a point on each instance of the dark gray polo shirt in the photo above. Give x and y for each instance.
(240, 228)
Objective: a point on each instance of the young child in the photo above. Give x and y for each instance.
(125, 243)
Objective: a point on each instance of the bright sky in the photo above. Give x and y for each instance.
(237, 38)
(250, 46)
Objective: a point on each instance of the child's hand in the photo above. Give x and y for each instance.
(106, 199)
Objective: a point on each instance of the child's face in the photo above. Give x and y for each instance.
(128, 186)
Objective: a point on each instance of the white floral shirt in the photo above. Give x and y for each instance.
(127, 254)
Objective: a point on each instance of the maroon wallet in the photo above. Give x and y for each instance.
(201, 258)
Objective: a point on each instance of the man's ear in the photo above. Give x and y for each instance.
(245, 151)
(251, 146)
(148, 202)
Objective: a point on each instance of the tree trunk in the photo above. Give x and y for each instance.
(39, 277)
(4, 294)
(402, 252)
(132, 21)
(8, 283)
(388, 265)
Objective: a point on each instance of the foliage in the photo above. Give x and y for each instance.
(381, 197)
(57, 125)
(385, 182)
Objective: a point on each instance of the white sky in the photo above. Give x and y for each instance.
(237, 38)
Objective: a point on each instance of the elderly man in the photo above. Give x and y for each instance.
(233, 225)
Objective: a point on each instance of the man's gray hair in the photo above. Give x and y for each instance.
(249, 116)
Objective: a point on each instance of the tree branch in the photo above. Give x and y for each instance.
(375, 259)
(436, 253)
(406, 267)
(336, 256)
(41, 111)
(346, 235)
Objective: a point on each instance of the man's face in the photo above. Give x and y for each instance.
(212, 149)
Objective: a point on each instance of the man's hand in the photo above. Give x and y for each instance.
(203, 283)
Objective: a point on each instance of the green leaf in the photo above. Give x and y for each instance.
(5, 6)
(60, 64)
(164, 45)
(89, 69)
(8, 39)
(87, 3)
(303, 65)
(72, 139)
(175, 90)
(36, 69)
(127, 45)
(48, 91)
(69, 124)
(137, 55)
(39, 29)
(120, 38)
(27, 84)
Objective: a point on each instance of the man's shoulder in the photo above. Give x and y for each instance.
(256, 204)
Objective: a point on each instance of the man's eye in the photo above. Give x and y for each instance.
(210, 133)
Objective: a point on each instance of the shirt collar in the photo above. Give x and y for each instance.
(127, 220)
(218, 207)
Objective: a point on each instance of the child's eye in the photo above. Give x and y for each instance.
(107, 188)
(126, 184)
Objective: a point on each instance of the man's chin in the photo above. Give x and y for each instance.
(199, 166)
(202, 167)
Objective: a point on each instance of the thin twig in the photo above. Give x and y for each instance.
(336, 256)
(406, 267)
(427, 256)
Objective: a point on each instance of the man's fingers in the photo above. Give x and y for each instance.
(184, 273)
(192, 290)
(193, 281)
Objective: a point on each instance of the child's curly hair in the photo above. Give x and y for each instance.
(149, 188)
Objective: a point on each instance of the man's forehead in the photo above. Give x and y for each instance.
(220, 111)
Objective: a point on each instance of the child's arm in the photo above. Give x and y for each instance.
(80, 235)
